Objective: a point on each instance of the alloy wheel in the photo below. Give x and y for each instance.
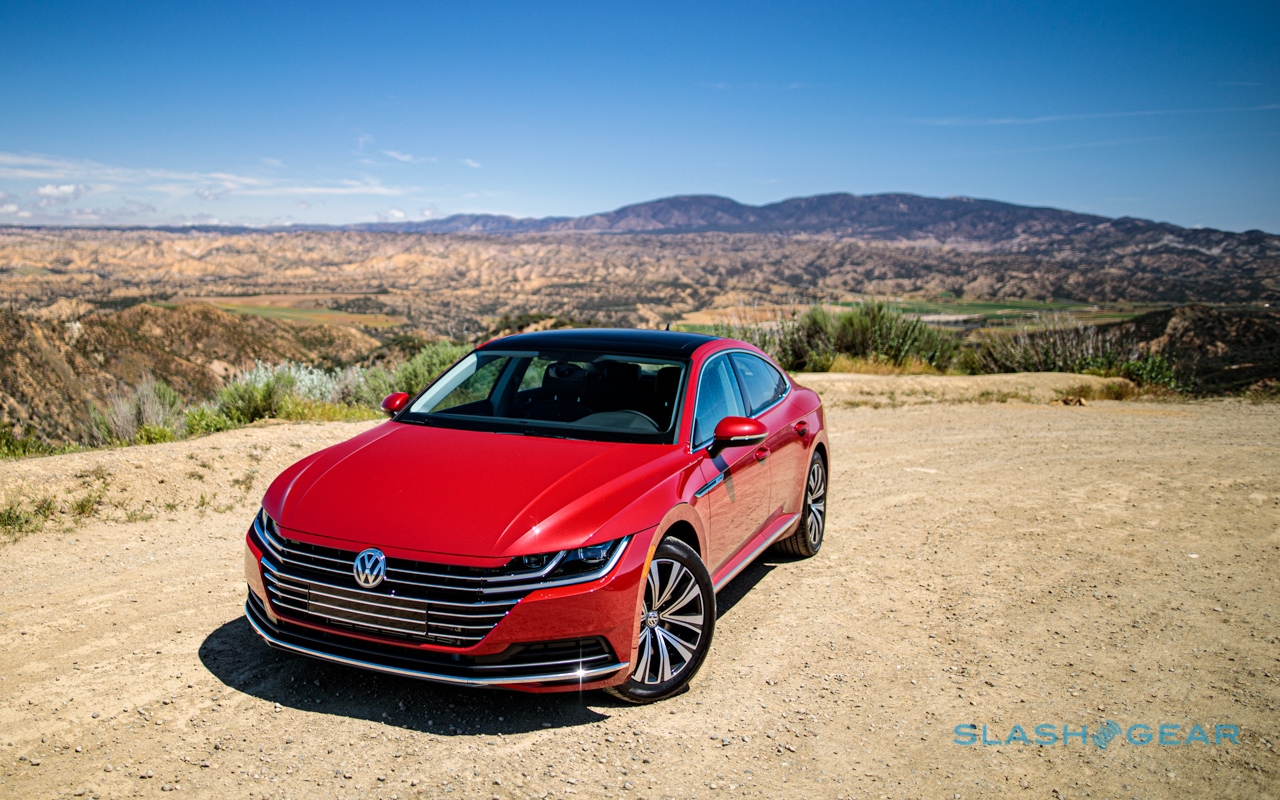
(671, 623)
(815, 497)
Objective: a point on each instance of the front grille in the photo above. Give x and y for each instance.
(542, 662)
(441, 604)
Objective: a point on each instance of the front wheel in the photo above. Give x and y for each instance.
(677, 621)
(807, 540)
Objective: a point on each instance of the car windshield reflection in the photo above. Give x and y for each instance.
(596, 395)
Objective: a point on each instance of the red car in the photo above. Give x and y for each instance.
(554, 512)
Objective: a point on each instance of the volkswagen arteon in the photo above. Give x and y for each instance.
(554, 512)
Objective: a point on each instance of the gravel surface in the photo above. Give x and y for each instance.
(1006, 564)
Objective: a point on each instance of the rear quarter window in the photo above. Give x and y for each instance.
(763, 384)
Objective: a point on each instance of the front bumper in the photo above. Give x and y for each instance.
(550, 665)
(564, 638)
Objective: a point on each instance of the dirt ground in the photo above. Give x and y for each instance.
(988, 564)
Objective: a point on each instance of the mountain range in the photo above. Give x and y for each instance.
(652, 262)
(877, 217)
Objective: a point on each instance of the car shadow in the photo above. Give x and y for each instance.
(236, 656)
(746, 580)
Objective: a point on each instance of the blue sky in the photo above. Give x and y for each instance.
(270, 113)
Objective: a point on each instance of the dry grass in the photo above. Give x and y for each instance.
(298, 409)
(871, 366)
(1119, 390)
(1266, 391)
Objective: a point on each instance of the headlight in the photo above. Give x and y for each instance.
(267, 532)
(265, 523)
(585, 562)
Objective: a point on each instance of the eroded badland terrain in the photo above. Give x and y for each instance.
(992, 564)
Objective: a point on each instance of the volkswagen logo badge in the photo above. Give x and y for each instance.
(370, 568)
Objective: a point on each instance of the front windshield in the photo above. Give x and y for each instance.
(602, 396)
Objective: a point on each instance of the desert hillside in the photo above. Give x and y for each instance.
(649, 264)
(57, 367)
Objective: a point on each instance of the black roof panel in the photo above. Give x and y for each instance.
(666, 344)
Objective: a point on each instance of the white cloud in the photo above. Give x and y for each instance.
(469, 163)
(403, 158)
(29, 166)
(391, 215)
(52, 185)
(347, 188)
(127, 211)
(273, 162)
(51, 194)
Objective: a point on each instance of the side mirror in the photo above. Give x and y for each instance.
(738, 432)
(394, 402)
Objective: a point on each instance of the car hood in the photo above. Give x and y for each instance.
(425, 490)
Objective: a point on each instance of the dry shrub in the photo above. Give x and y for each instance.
(1264, 391)
(868, 366)
(869, 333)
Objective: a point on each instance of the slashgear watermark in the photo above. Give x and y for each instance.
(1048, 735)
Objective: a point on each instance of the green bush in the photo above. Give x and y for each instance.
(13, 446)
(1153, 369)
(876, 332)
(205, 419)
(413, 375)
(870, 331)
(1067, 346)
(155, 434)
(244, 402)
(807, 343)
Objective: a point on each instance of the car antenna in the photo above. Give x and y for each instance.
(668, 327)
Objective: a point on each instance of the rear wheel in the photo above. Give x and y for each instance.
(677, 621)
(807, 540)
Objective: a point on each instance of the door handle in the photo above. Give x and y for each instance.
(802, 428)
(762, 453)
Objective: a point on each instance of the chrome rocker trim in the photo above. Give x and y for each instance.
(784, 525)
(579, 675)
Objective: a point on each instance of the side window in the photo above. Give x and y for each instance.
(717, 398)
(763, 384)
(533, 374)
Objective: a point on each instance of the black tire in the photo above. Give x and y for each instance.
(681, 583)
(807, 540)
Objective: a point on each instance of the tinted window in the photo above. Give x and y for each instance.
(763, 384)
(717, 398)
(570, 393)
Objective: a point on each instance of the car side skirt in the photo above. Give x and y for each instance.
(778, 530)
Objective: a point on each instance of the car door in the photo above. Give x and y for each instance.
(737, 478)
(764, 390)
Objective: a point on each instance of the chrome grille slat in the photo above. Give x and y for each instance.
(585, 662)
(439, 614)
(386, 629)
(439, 604)
(375, 614)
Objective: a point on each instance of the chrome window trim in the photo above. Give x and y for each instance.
(695, 447)
(709, 485)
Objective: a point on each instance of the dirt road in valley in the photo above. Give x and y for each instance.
(1003, 565)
